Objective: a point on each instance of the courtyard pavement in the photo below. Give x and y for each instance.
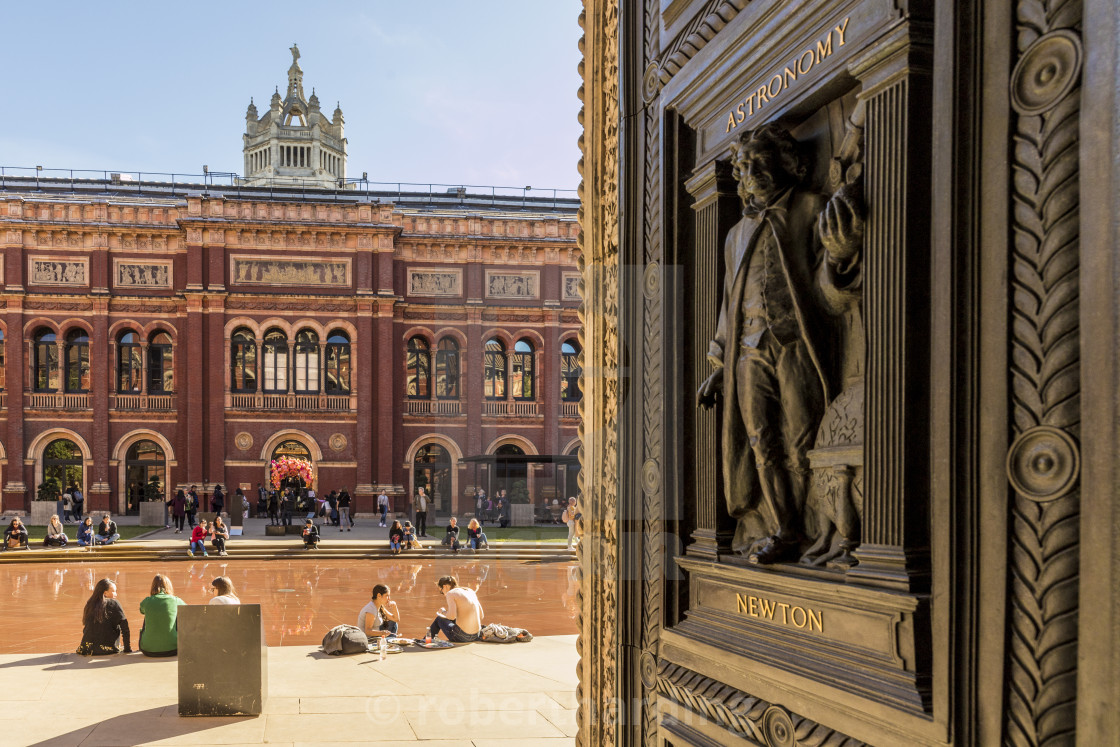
(478, 695)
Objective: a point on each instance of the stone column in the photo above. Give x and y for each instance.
(192, 405)
(15, 489)
(895, 77)
(99, 491)
(362, 356)
(718, 208)
(214, 383)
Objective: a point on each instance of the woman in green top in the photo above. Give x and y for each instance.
(159, 636)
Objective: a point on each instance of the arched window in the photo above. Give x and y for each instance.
(77, 361)
(62, 464)
(130, 363)
(447, 369)
(569, 372)
(296, 450)
(161, 364)
(418, 372)
(243, 362)
(45, 361)
(274, 354)
(521, 370)
(307, 362)
(431, 470)
(494, 370)
(338, 363)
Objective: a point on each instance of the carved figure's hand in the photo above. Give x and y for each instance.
(713, 385)
(841, 223)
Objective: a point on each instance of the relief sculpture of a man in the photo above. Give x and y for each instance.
(775, 346)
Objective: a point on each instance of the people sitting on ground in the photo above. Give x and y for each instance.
(476, 538)
(106, 532)
(198, 540)
(159, 635)
(219, 533)
(85, 532)
(179, 510)
(104, 625)
(15, 536)
(223, 591)
(451, 539)
(310, 535)
(409, 541)
(380, 617)
(461, 619)
(56, 533)
(396, 537)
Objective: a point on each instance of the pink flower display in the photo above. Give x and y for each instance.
(285, 467)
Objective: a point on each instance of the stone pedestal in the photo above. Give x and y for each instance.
(223, 662)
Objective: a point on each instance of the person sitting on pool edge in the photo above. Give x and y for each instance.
(159, 634)
(56, 533)
(310, 535)
(451, 539)
(106, 532)
(15, 536)
(396, 537)
(198, 540)
(476, 538)
(461, 619)
(104, 625)
(410, 540)
(380, 617)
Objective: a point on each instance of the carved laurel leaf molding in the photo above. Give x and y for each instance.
(1045, 375)
(597, 715)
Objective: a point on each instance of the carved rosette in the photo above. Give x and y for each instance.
(1043, 461)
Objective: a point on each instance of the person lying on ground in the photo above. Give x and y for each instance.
(380, 616)
(104, 625)
(461, 619)
(159, 635)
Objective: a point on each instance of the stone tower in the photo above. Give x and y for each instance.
(293, 143)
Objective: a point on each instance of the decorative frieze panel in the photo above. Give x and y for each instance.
(569, 290)
(60, 271)
(435, 282)
(300, 271)
(513, 285)
(153, 275)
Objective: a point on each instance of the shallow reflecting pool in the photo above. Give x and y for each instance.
(41, 606)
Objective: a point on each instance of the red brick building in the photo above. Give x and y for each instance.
(160, 335)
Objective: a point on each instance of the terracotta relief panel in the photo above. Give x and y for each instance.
(58, 271)
(312, 271)
(129, 274)
(435, 283)
(513, 284)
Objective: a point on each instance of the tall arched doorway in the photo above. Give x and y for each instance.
(431, 470)
(295, 450)
(145, 467)
(512, 477)
(62, 464)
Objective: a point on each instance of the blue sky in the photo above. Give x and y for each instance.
(481, 93)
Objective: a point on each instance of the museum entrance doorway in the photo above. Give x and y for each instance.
(431, 470)
(145, 475)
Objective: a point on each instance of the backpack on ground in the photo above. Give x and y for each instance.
(345, 639)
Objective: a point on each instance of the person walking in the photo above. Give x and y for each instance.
(480, 506)
(273, 506)
(262, 500)
(343, 501)
(179, 510)
(383, 506)
(192, 506)
(570, 517)
(67, 505)
(421, 505)
(78, 500)
(218, 501)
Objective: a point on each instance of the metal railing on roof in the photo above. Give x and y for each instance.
(221, 183)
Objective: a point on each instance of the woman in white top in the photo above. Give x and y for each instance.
(223, 591)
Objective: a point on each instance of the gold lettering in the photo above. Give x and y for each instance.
(824, 48)
(783, 607)
(789, 75)
(752, 601)
(793, 616)
(770, 86)
(767, 608)
(741, 605)
(801, 68)
(750, 102)
(730, 122)
(840, 30)
(816, 616)
(739, 112)
(761, 93)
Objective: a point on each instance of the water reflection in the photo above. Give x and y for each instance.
(300, 600)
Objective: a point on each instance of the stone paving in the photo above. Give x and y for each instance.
(477, 695)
